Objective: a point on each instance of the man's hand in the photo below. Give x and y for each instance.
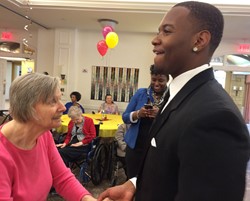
(124, 192)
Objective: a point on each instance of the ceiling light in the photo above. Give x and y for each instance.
(108, 22)
(13, 58)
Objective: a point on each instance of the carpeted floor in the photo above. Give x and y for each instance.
(96, 190)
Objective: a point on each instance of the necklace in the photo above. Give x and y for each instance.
(159, 100)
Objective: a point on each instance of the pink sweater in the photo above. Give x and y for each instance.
(27, 175)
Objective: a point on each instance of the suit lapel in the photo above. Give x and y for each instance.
(184, 93)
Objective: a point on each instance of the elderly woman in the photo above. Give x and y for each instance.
(81, 131)
(29, 161)
(108, 107)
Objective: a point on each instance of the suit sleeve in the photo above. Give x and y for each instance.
(213, 153)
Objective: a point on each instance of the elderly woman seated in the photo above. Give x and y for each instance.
(108, 107)
(81, 131)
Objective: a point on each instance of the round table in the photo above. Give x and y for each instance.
(108, 127)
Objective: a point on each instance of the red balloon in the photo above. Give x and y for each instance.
(106, 30)
(102, 47)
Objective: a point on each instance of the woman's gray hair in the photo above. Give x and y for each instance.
(28, 90)
(74, 111)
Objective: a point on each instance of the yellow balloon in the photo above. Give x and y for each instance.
(112, 39)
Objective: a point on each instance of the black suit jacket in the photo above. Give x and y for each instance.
(201, 147)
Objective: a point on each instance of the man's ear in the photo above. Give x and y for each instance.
(202, 40)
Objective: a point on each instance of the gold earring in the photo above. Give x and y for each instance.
(195, 49)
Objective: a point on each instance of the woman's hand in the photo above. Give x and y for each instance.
(78, 144)
(61, 145)
(142, 113)
(151, 113)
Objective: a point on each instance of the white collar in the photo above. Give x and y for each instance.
(177, 83)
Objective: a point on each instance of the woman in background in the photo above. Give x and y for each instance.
(121, 148)
(75, 97)
(81, 131)
(29, 161)
(141, 116)
(108, 107)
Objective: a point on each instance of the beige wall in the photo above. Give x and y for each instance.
(133, 50)
(45, 51)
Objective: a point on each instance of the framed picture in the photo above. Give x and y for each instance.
(121, 83)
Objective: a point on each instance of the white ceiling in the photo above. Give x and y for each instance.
(132, 16)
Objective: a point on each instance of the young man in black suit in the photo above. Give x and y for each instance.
(199, 144)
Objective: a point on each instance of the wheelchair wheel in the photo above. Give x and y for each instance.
(114, 176)
(99, 164)
(111, 160)
(84, 175)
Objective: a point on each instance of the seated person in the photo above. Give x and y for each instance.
(81, 131)
(121, 149)
(75, 97)
(108, 107)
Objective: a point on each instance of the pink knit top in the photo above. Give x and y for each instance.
(27, 175)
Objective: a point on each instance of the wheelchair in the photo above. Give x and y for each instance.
(115, 163)
(93, 165)
(85, 165)
(99, 163)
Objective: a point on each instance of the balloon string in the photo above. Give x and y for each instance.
(108, 58)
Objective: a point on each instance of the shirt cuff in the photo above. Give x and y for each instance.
(131, 117)
(133, 180)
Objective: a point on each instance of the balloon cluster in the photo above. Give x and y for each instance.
(110, 40)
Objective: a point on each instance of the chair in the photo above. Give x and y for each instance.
(58, 137)
(85, 163)
(97, 129)
(5, 118)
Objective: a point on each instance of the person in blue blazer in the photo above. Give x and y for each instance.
(140, 113)
(198, 147)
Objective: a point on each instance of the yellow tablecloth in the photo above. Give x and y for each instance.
(107, 127)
